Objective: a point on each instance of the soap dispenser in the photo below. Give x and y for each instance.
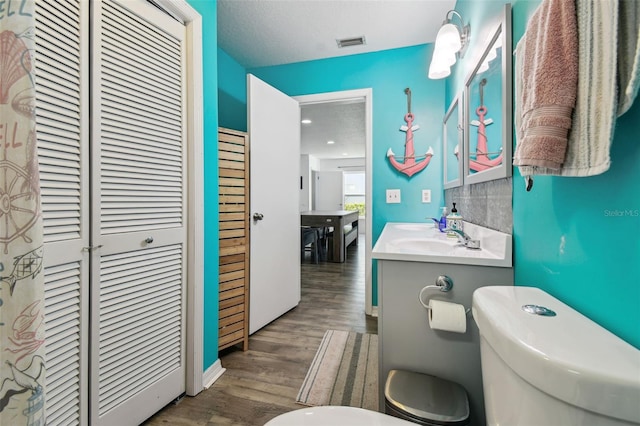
(454, 221)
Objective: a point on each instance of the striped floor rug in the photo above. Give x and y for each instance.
(343, 372)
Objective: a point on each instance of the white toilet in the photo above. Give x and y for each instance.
(543, 363)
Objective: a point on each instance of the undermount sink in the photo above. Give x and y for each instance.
(423, 242)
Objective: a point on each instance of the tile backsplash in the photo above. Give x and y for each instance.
(487, 204)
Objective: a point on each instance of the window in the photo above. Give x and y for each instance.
(354, 191)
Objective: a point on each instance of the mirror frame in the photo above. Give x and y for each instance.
(455, 113)
(505, 168)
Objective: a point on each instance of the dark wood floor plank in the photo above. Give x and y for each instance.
(263, 382)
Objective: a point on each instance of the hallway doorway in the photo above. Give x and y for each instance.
(346, 97)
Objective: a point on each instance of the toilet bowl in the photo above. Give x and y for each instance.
(334, 415)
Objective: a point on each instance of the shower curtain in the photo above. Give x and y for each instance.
(22, 327)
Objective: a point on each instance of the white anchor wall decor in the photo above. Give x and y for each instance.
(408, 164)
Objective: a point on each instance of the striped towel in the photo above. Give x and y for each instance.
(628, 54)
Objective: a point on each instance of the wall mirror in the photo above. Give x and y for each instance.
(453, 142)
(488, 133)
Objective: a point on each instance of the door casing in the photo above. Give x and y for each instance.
(367, 95)
(195, 182)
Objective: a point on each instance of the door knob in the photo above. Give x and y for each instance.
(148, 240)
(258, 216)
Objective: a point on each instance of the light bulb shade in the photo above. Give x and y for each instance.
(448, 58)
(436, 75)
(438, 70)
(441, 62)
(448, 38)
(448, 45)
(444, 57)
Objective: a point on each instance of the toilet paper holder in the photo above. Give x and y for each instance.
(443, 283)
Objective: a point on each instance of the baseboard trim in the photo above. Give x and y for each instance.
(212, 374)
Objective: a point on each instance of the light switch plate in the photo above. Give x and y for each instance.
(393, 196)
(426, 195)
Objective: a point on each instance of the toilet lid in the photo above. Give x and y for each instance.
(334, 415)
(427, 397)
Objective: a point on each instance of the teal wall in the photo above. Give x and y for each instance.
(576, 238)
(388, 73)
(232, 93)
(208, 10)
(579, 238)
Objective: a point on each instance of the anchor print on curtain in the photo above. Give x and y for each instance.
(22, 328)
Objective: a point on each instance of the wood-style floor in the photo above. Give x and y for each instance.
(263, 382)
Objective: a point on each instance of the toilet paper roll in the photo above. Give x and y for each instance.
(447, 316)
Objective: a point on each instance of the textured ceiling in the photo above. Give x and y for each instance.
(260, 33)
(340, 122)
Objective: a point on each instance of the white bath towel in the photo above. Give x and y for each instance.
(593, 120)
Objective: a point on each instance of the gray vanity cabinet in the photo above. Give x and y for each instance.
(407, 342)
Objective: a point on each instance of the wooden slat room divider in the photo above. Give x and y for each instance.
(233, 167)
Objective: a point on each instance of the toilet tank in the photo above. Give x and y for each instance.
(545, 369)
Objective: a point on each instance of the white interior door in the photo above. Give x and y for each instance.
(274, 135)
(62, 124)
(138, 253)
(329, 190)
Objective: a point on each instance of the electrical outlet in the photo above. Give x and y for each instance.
(393, 196)
(426, 195)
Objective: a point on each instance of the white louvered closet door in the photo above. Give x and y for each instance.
(63, 139)
(138, 212)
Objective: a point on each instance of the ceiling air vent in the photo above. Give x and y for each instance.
(352, 41)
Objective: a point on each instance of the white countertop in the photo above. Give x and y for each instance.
(423, 242)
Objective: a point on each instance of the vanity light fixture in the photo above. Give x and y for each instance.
(306, 121)
(451, 43)
(330, 142)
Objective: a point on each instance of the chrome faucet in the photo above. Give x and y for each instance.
(465, 239)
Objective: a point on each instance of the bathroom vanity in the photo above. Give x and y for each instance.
(411, 256)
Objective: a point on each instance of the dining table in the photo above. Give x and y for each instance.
(338, 220)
